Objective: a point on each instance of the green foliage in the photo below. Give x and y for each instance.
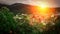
(19, 24)
(23, 25)
(7, 23)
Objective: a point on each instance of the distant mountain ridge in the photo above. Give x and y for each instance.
(23, 8)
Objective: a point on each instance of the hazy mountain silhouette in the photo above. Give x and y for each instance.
(19, 8)
(23, 8)
(2, 5)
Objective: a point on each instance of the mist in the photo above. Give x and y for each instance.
(51, 3)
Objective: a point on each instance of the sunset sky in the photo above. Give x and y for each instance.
(49, 3)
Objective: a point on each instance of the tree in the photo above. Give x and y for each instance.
(7, 23)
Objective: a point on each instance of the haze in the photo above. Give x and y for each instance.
(50, 3)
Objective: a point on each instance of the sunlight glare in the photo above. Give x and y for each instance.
(43, 6)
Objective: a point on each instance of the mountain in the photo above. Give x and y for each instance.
(28, 9)
(19, 8)
(24, 8)
(2, 5)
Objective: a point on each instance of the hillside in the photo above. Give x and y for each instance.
(24, 8)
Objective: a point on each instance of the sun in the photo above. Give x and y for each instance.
(44, 10)
(43, 6)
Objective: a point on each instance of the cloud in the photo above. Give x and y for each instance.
(12, 1)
